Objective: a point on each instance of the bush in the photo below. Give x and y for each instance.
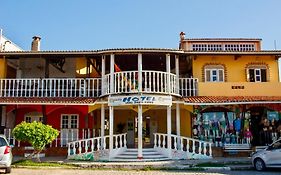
(35, 133)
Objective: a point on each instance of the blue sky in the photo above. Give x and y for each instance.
(100, 24)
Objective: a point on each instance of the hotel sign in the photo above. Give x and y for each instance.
(140, 99)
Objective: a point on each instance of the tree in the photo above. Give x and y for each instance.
(37, 134)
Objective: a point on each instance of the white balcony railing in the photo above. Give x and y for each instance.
(50, 87)
(152, 82)
(124, 82)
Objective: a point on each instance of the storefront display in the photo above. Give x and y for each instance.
(256, 127)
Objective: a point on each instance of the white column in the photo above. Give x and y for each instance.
(177, 74)
(112, 73)
(102, 125)
(178, 124)
(103, 75)
(168, 70)
(139, 132)
(111, 122)
(169, 130)
(140, 72)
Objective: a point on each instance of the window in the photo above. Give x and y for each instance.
(69, 121)
(257, 73)
(214, 73)
(33, 116)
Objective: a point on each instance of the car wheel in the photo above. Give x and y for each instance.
(259, 164)
(8, 170)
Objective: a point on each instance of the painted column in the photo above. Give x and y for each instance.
(169, 130)
(178, 124)
(102, 126)
(111, 122)
(168, 70)
(111, 73)
(139, 132)
(177, 74)
(140, 72)
(103, 86)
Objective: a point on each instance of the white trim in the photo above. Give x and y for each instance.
(232, 103)
(211, 74)
(69, 121)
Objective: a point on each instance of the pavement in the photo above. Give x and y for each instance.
(219, 163)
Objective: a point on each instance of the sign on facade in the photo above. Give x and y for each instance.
(140, 99)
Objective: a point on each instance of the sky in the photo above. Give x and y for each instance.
(102, 24)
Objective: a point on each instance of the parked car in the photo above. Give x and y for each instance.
(5, 154)
(270, 157)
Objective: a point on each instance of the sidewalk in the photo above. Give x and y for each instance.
(226, 163)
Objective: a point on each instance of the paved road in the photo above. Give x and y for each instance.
(19, 171)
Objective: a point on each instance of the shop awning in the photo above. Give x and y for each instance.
(229, 100)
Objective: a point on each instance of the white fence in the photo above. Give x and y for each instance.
(96, 144)
(184, 144)
(50, 87)
(65, 136)
(188, 87)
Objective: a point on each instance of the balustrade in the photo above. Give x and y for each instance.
(185, 144)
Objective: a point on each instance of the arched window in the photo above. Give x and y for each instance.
(214, 73)
(257, 73)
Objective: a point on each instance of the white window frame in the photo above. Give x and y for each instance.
(69, 121)
(33, 118)
(217, 74)
(257, 76)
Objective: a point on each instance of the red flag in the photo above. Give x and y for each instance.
(117, 69)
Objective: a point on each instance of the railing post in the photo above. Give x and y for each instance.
(168, 70)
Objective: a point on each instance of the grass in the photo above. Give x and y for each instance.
(30, 163)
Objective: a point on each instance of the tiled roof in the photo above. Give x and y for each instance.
(47, 100)
(223, 39)
(231, 99)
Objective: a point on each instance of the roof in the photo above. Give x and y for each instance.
(48, 100)
(223, 100)
(223, 39)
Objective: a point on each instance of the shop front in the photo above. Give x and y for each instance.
(256, 125)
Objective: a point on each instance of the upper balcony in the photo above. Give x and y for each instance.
(126, 82)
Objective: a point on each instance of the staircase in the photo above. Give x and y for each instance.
(149, 154)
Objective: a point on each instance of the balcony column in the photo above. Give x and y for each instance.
(140, 132)
(169, 130)
(103, 89)
(102, 126)
(111, 74)
(177, 74)
(168, 70)
(111, 124)
(140, 72)
(178, 124)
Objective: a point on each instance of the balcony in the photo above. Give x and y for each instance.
(154, 82)
(239, 89)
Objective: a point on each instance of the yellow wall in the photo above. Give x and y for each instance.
(158, 115)
(81, 64)
(249, 89)
(235, 69)
(3, 68)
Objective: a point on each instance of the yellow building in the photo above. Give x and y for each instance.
(239, 93)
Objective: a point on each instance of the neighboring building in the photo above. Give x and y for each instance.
(100, 99)
(238, 89)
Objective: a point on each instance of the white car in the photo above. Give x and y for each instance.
(5, 154)
(270, 157)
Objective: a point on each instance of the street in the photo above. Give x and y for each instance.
(55, 171)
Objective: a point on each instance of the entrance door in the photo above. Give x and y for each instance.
(130, 133)
(69, 128)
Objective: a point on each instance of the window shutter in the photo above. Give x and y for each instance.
(221, 75)
(263, 75)
(208, 76)
(252, 75)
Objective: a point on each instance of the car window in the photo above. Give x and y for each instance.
(277, 145)
(3, 142)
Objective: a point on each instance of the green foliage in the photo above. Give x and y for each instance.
(35, 133)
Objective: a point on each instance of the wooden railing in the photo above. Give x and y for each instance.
(96, 144)
(155, 82)
(50, 87)
(184, 144)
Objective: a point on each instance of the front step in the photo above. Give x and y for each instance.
(132, 154)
